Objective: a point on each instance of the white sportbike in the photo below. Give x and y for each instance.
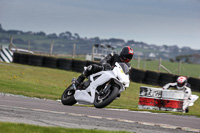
(100, 89)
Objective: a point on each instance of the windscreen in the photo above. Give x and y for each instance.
(125, 67)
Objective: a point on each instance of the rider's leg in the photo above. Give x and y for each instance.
(186, 100)
(80, 79)
(91, 69)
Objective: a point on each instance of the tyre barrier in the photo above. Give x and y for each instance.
(50, 62)
(35, 60)
(78, 66)
(195, 83)
(137, 75)
(16, 57)
(91, 62)
(151, 78)
(65, 64)
(24, 59)
(175, 77)
(165, 78)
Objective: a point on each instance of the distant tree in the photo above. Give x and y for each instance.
(14, 32)
(115, 40)
(41, 33)
(95, 40)
(130, 42)
(165, 46)
(1, 28)
(66, 34)
(76, 36)
(29, 33)
(53, 35)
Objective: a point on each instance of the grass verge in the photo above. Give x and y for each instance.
(25, 128)
(50, 83)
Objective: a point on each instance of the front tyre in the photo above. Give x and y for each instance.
(103, 101)
(67, 97)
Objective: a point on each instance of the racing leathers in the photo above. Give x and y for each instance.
(106, 64)
(186, 89)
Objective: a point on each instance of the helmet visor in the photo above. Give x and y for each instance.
(124, 59)
(180, 84)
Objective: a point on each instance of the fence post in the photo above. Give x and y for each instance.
(159, 64)
(179, 68)
(11, 44)
(138, 66)
(29, 45)
(74, 50)
(51, 49)
(93, 53)
(144, 65)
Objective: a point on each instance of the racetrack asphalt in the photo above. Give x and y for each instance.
(20, 109)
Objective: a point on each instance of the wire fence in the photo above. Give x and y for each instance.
(159, 65)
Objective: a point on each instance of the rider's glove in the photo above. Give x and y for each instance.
(106, 66)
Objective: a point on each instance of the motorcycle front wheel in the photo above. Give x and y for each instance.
(103, 101)
(67, 97)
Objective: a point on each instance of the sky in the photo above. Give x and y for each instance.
(159, 22)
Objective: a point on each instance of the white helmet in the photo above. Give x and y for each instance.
(181, 82)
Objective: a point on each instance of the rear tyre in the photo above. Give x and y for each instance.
(103, 101)
(67, 97)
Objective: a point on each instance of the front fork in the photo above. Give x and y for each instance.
(74, 83)
(106, 89)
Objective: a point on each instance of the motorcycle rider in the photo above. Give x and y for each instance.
(182, 85)
(125, 55)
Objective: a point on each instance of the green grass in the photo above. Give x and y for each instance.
(50, 83)
(34, 81)
(25, 128)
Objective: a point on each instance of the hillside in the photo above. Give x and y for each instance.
(63, 44)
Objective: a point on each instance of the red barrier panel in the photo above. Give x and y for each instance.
(174, 104)
(158, 99)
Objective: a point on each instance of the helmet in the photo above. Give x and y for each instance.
(181, 82)
(126, 54)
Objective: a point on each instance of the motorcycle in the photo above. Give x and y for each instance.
(101, 88)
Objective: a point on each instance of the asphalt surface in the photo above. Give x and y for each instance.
(42, 112)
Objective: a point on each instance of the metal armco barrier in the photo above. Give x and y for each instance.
(6, 55)
(136, 75)
(158, 99)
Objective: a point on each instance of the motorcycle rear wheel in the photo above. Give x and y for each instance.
(67, 97)
(114, 91)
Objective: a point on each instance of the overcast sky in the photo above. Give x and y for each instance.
(170, 22)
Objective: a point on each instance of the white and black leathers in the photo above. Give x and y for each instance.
(186, 89)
